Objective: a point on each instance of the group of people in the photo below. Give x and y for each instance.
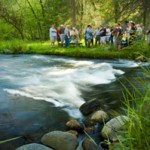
(120, 35)
(63, 35)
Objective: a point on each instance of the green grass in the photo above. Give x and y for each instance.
(137, 134)
(43, 47)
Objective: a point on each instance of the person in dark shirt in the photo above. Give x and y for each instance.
(103, 35)
(58, 34)
(62, 34)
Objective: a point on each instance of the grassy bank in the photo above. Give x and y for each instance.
(43, 47)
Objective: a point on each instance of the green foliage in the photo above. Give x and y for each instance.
(7, 33)
(30, 19)
(137, 134)
(138, 48)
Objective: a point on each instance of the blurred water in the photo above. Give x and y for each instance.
(39, 91)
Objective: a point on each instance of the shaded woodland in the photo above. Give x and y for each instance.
(30, 19)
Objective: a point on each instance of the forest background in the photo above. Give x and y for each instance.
(31, 19)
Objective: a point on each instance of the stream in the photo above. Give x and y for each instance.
(40, 93)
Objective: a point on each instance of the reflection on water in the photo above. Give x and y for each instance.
(39, 91)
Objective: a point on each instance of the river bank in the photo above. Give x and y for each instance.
(106, 51)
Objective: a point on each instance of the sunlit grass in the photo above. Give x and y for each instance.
(43, 47)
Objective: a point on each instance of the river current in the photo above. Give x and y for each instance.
(40, 92)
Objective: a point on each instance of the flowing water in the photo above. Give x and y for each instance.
(40, 92)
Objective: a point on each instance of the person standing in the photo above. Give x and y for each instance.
(62, 34)
(118, 36)
(67, 36)
(88, 35)
(148, 35)
(52, 35)
(97, 36)
(75, 35)
(139, 32)
(58, 34)
(132, 32)
(108, 34)
(103, 35)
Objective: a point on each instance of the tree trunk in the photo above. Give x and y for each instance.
(145, 11)
(44, 20)
(36, 18)
(73, 3)
(116, 8)
(81, 17)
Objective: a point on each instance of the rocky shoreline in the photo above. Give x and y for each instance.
(92, 133)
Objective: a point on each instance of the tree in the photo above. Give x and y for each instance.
(145, 6)
(73, 3)
(11, 17)
(31, 19)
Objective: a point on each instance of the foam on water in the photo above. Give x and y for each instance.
(60, 86)
(126, 63)
(22, 93)
(59, 83)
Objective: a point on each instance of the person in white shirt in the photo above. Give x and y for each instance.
(139, 32)
(108, 34)
(74, 35)
(52, 35)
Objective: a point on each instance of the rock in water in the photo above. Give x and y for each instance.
(74, 125)
(99, 116)
(88, 144)
(33, 146)
(60, 140)
(111, 128)
(73, 132)
(90, 106)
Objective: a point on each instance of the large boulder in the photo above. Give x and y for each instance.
(60, 140)
(74, 125)
(99, 116)
(90, 106)
(112, 127)
(33, 146)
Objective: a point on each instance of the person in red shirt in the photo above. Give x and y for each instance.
(58, 34)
